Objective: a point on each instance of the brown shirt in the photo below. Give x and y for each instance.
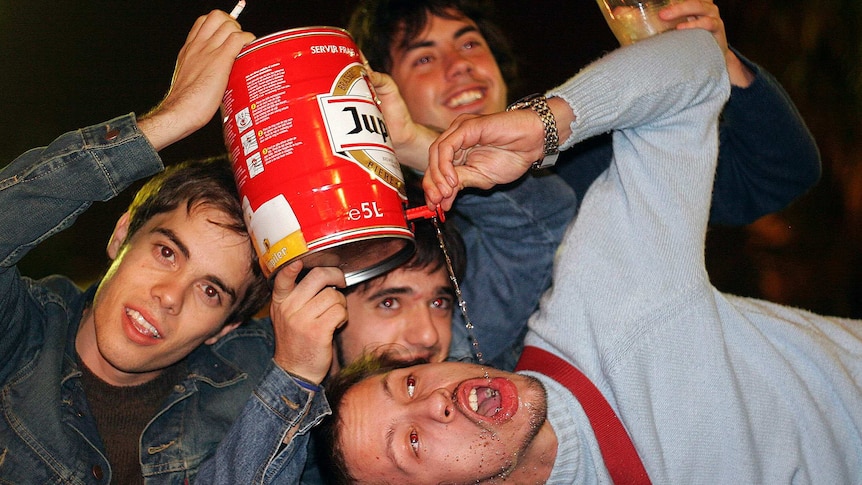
(122, 413)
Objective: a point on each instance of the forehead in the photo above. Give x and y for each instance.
(363, 436)
(205, 233)
(435, 28)
(416, 278)
(200, 221)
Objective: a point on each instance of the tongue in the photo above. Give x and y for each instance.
(489, 401)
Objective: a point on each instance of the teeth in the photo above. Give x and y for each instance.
(142, 324)
(474, 400)
(464, 98)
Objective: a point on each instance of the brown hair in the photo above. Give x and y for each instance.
(375, 24)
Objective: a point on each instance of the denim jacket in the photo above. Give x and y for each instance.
(47, 433)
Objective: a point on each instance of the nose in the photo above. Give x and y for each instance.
(421, 332)
(457, 65)
(439, 406)
(169, 294)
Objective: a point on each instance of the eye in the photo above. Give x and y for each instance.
(422, 60)
(471, 44)
(389, 304)
(165, 253)
(414, 441)
(411, 385)
(443, 303)
(212, 294)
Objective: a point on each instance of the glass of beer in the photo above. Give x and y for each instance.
(634, 20)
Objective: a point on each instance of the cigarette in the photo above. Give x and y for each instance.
(238, 9)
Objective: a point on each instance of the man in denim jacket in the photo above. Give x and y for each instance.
(159, 330)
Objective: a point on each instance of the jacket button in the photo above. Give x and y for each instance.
(112, 134)
(98, 474)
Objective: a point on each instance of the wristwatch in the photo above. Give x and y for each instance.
(539, 104)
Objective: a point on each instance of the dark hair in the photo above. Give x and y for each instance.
(428, 255)
(207, 182)
(327, 434)
(375, 24)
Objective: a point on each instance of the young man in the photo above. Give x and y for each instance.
(447, 58)
(136, 379)
(702, 386)
(407, 310)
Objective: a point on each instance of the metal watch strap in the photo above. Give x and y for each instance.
(539, 104)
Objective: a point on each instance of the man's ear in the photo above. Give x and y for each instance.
(121, 230)
(228, 328)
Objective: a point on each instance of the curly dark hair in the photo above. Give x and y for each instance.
(209, 182)
(375, 24)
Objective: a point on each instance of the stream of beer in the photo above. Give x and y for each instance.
(461, 303)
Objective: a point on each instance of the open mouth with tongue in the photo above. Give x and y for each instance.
(494, 400)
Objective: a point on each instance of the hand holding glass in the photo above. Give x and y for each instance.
(634, 20)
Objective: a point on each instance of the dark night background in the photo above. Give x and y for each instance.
(64, 65)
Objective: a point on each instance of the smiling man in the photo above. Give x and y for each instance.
(648, 373)
(449, 57)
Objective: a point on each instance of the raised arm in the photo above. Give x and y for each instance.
(622, 253)
(54, 184)
(767, 156)
(199, 80)
(45, 189)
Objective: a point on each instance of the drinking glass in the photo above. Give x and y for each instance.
(634, 20)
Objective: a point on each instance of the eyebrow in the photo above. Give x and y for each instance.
(428, 43)
(391, 291)
(223, 286)
(405, 290)
(448, 290)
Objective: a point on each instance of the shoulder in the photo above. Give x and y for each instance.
(250, 346)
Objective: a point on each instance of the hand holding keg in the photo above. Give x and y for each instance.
(305, 315)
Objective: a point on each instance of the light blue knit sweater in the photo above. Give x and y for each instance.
(712, 388)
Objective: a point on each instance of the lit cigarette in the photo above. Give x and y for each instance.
(238, 9)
